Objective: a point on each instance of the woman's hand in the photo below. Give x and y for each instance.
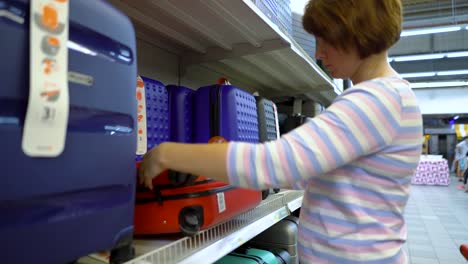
(208, 160)
(150, 166)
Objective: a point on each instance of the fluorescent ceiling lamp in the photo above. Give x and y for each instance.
(437, 84)
(447, 73)
(419, 57)
(456, 54)
(418, 74)
(432, 74)
(415, 32)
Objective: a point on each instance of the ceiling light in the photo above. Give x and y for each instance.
(456, 54)
(419, 57)
(415, 32)
(432, 74)
(456, 117)
(437, 84)
(417, 74)
(447, 73)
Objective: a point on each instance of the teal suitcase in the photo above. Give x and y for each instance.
(249, 256)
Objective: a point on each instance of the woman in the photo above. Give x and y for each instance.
(354, 161)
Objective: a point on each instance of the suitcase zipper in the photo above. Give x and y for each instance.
(141, 189)
(159, 197)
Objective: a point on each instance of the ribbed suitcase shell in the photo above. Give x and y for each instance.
(54, 210)
(157, 113)
(267, 119)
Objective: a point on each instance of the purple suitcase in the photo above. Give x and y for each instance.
(56, 210)
(157, 113)
(181, 109)
(227, 111)
(181, 125)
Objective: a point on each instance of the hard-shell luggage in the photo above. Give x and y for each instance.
(157, 113)
(181, 125)
(249, 256)
(226, 111)
(268, 126)
(55, 210)
(189, 206)
(167, 109)
(267, 119)
(282, 235)
(188, 209)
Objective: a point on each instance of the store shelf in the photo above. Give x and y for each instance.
(233, 38)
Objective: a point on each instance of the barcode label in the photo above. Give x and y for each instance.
(221, 202)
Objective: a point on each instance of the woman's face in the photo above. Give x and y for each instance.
(341, 64)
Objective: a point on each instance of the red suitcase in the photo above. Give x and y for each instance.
(188, 209)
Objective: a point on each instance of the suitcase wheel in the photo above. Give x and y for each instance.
(265, 194)
(122, 254)
(191, 220)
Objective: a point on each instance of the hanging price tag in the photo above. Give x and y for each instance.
(45, 125)
(142, 145)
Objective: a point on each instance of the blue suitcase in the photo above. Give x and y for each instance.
(226, 111)
(181, 105)
(181, 125)
(157, 113)
(55, 210)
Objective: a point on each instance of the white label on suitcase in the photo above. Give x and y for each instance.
(142, 144)
(45, 125)
(221, 202)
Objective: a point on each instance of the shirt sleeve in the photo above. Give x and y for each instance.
(364, 120)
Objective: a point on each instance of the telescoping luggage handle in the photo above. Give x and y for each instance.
(45, 125)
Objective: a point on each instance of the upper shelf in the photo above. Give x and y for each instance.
(231, 37)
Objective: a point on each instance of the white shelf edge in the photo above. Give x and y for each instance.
(295, 204)
(229, 243)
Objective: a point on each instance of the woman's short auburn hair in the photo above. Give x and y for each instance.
(369, 26)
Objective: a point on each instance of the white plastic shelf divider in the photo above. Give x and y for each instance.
(233, 38)
(214, 243)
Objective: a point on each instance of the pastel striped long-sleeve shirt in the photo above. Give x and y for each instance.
(355, 162)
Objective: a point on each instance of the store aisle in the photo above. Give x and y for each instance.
(437, 219)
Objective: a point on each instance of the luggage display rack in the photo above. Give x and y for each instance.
(214, 243)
